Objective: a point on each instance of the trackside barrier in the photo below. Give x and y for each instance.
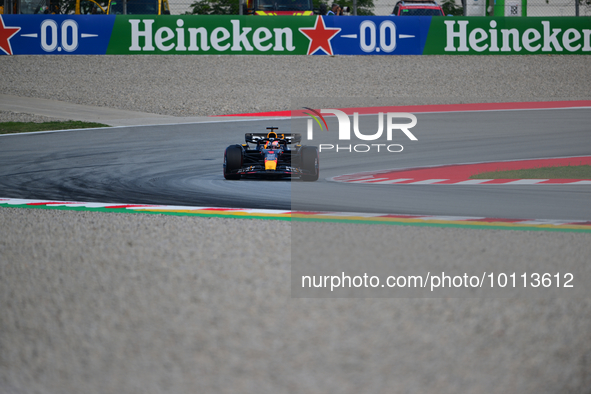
(291, 35)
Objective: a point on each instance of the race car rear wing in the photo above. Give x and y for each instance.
(290, 138)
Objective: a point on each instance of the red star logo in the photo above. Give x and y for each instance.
(320, 36)
(5, 34)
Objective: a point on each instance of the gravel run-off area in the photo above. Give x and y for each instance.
(209, 85)
(135, 303)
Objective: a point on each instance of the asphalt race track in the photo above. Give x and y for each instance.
(181, 164)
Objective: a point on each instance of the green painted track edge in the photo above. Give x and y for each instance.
(453, 225)
(298, 219)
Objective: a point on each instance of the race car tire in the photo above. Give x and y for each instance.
(233, 162)
(310, 163)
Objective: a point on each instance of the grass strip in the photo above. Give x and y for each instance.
(558, 172)
(26, 127)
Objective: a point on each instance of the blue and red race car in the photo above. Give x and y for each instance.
(273, 155)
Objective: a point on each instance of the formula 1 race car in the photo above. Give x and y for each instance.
(274, 155)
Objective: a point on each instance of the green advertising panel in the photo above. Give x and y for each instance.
(211, 34)
(509, 36)
(293, 35)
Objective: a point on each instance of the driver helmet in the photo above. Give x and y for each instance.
(271, 144)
